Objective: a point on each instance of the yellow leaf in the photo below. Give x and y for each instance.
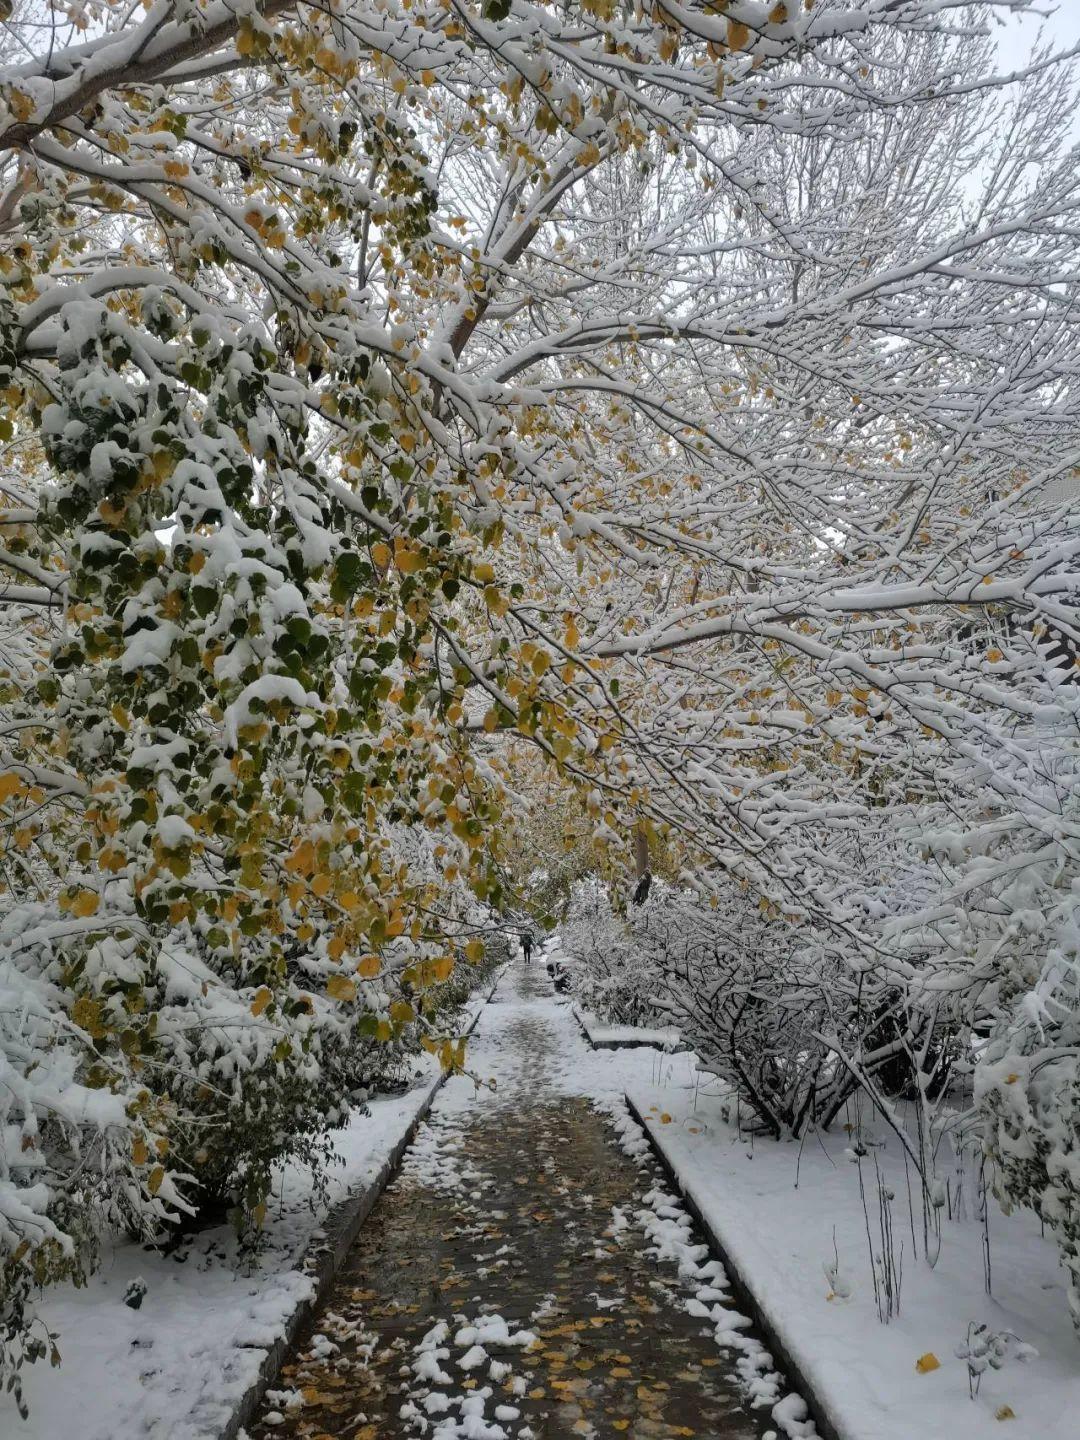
(401, 1012)
(994, 656)
(484, 573)
(263, 996)
(323, 884)
(380, 554)
(86, 1013)
(474, 951)
(396, 924)
(139, 1153)
(927, 1362)
(86, 903)
(340, 987)
(1004, 1412)
(407, 560)
(665, 1118)
(336, 947)
(302, 860)
(369, 967)
(10, 784)
(738, 35)
(157, 1175)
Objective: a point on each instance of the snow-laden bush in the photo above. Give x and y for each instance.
(1002, 937)
(615, 974)
(81, 1140)
(765, 1005)
(1027, 1081)
(145, 1086)
(744, 993)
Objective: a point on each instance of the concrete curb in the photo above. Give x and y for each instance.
(769, 1325)
(679, 1049)
(323, 1262)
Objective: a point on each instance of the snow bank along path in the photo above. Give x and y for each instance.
(529, 1275)
(801, 1252)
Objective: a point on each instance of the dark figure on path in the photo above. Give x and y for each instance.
(527, 946)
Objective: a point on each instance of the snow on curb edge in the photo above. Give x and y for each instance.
(770, 1324)
(323, 1262)
(646, 1040)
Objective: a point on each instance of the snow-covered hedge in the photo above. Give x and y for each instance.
(141, 1087)
(764, 1004)
(1027, 1080)
(81, 1136)
(615, 974)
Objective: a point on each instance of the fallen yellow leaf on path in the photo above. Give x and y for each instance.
(927, 1362)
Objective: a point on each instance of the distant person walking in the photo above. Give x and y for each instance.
(527, 946)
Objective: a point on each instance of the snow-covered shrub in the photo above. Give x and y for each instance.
(145, 1085)
(741, 991)
(764, 1004)
(751, 997)
(1004, 942)
(615, 970)
(764, 1009)
(82, 1139)
(984, 1349)
(1027, 1081)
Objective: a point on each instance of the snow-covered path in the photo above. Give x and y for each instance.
(528, 1274)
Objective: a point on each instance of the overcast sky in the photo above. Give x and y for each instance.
(1017, 35)
(1019, 32)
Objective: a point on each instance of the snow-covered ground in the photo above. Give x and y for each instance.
(175, 1368)
(778, 1213)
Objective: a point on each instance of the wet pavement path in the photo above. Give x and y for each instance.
(525, 1277)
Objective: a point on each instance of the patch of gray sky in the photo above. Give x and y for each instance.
(1016, 34)
(1056, 21)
